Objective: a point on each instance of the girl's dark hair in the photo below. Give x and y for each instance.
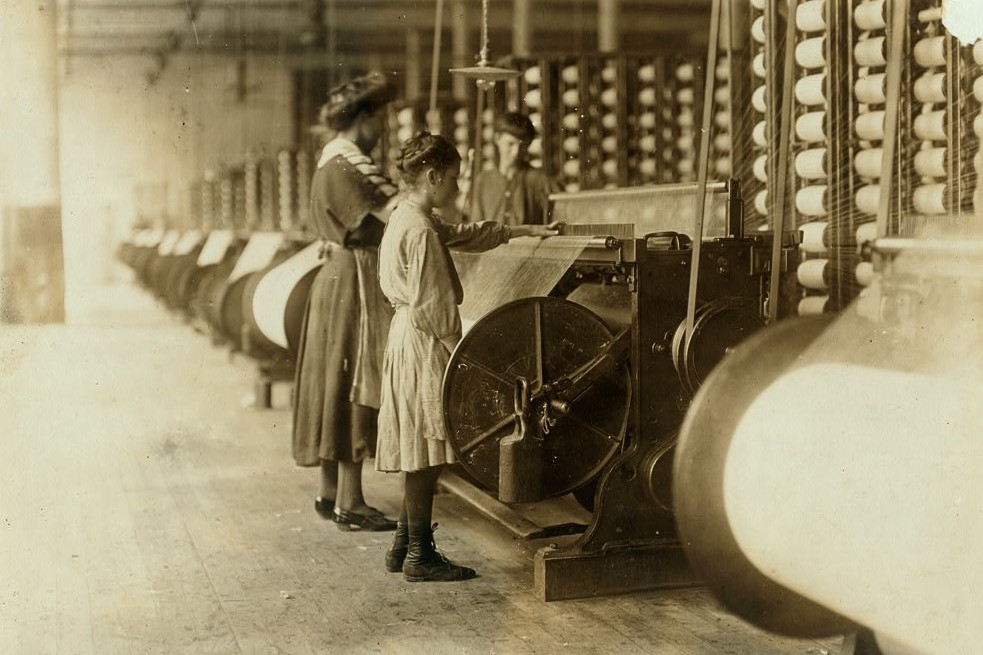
(424, 151)
(364, 94)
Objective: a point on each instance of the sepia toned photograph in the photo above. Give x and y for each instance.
(505, 327)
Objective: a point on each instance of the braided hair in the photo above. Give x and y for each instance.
(424, 151)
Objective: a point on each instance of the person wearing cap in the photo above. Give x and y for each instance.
(346, 323)
(512, 192)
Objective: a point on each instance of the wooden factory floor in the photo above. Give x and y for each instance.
(145, 509)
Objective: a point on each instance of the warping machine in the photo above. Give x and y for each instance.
(585, 388)
(827, 477)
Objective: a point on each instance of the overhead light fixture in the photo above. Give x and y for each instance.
(484, 74)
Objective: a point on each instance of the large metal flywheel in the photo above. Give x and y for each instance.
(552, 350)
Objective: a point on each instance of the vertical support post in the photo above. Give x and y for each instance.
(608, 25)
(413, 76)
(521, 28)
(782, 164)
(461, 46)
(895, 52)
(32, 286)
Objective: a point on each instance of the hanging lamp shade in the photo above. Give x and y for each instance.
(485, 75)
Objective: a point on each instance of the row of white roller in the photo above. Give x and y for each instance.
(811, 184)
(760, 113)
(571, 126)
(608, 115)
(930, 195)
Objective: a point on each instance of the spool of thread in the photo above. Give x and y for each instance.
(537, 120)
(609, 144)
(571, 167)
(571, 187)
(722, 119)
(811, 127)
(667, 134)
(609, 97)
(869, 163)
(647, 167)
(723, 167)
(758, 99)
(758, 4)
(488, 116)
(930, 52)
(758, 29)
(536, 147)
(571, 97)
(646, 97)
(810, 16)
(723, 69)
(684, 119)
(461, 134)
(404, 133)
(685, 142)
(871, 89)
(570, 74)
(488, 153)
(868, 198)
(487, 133)
(685, 95)
(571, 145)
(930, 87)
(866, 232)
(871, 52)
(813, 234)
(870, 15)
(646, 73)
(930, 15)
(811, 164)
(646, 120)
(533, 99)
(812, 305)
(610, 121)
(609, 74)
(811, 89)
(812, 274)
(811, 53)
(684, 166)
(685, 72)
(977, 52)
(931, 162)
(929, 199)
(571, 121)
(761, 202)
(758, 65)
(647, 143)
(760, 168)
(759, 134)
(721, 95)
(610, 168)
(461, 116)
(405, 116)
(533, 75)
(811, 200)
(931, 126)
(864, 272)
(870, 126)
(978, 89)
(722, 142)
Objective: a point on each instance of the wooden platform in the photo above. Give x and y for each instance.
(146, 508)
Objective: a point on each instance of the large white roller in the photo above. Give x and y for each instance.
(216, 245)
(257, 254)
(274, 289)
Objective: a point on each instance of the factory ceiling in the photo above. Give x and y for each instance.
(311, 30)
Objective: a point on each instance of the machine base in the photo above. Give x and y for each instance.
(562, 574)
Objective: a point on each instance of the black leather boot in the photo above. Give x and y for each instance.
(397, 552)
(424, 563)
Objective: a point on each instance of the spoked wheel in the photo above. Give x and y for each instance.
(546, 342)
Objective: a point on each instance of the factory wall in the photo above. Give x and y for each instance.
(130, 148)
